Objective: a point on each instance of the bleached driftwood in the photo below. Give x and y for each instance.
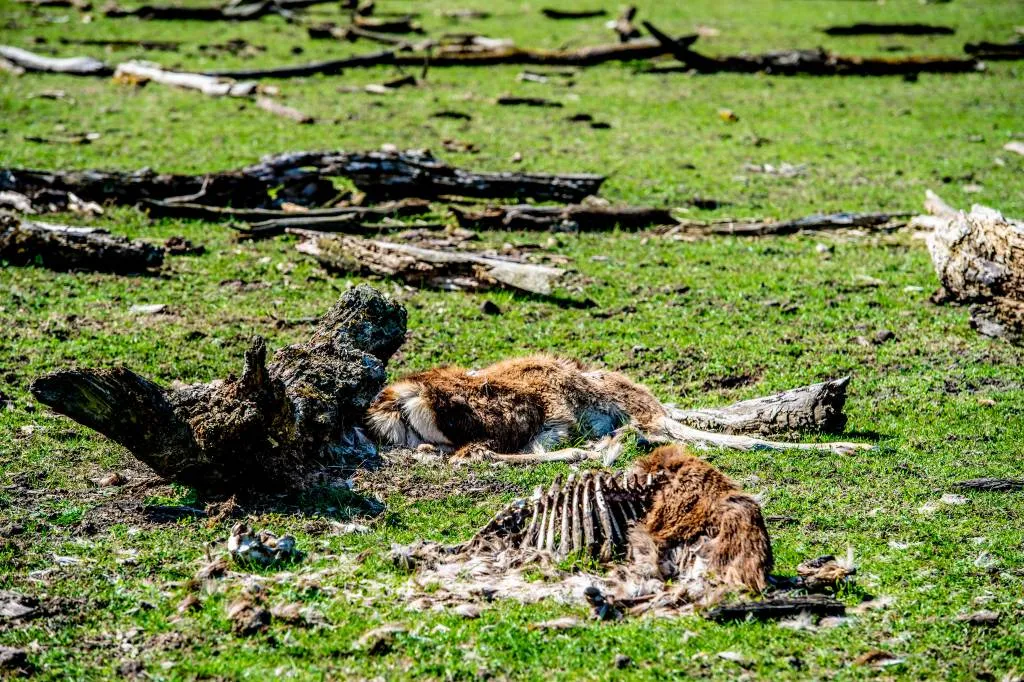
(979, 258)
(75, 66)
(443, 269)
(60, 247)
(267, 430)
(283, 110)
(141, 72)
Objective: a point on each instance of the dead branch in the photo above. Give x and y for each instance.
(996, 51)
(60, 247)
(988, 484)
(624, 26)
(228, 12)
(394, 209)
(979, 258)
(278, 109)
(330, 66)
(777, 608)
(815, 62)
(581, 217)
(509, 101)
(266, 430)
(552, 13)
(762, 228)
(448, 269)
(75, 66)
(353, 33)
(872, 29)
(135, 73)
(399, 24)
(818, 407)
(157, 45)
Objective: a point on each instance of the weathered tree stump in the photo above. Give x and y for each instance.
(979, 258)
(269, 429)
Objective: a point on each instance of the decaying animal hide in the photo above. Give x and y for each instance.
(681, 532)
(519, 409)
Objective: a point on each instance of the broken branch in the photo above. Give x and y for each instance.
(61, 247)
(75, 66)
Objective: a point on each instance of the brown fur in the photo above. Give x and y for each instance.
(515, 405)
(697, 500)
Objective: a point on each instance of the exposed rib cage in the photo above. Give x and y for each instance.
(591, 513)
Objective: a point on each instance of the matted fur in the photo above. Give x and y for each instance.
(525, 404)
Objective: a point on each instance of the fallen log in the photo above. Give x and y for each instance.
(818, 407)
(552, 13)
(61, 247)
(979, 259)
(458, 55)
(419, 174)
(451, 270)
(762, 228)
(398, 24)
(164, 209)
(575, 217)
(156, 45)
(996, 51)
(873, 29)
(228, 12)
(992, 485)
(283, 110)
(816, 62)
(135, 73)
(75, 66)
(270, 429)
(510, 101)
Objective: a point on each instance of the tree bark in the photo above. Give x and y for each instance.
(584, 218)
(763, 228)
(420, 267)
(979, 258)
(269, 429)
(60, 247)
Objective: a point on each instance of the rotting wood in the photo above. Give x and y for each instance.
(553, 13)
(817, 407)
(156, 45)
(816, 62)
(62, 247)
(283, 110)
(394, 209)
(762, 228)
(996, 51)
(74, 66)
(979, 259)
(575, 217)
(268, 430)
(455, 55)
(448, 269)
(873, 29)
(134, 73)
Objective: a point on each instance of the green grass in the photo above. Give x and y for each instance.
(942, 403)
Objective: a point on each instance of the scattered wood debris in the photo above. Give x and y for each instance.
(449, 269)
(624, 26)
(873, 29)
(74, 66)
(816, 62)
(762, 228)
(989, 484)
(979, 258)
(60, 247)
(283, 110)
(263, 431)
(261, 549)
(139, 73)
(996, 51)
(552, 13)
(586, 217)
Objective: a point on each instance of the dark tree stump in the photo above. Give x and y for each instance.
(269, 429)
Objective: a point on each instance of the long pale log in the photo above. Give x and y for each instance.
(75, 66)
(818, 407)
(816, 62)
(979, 259)
(581, 217)
(60, 247)
(435, 268)
(269, 429)
(138, 72)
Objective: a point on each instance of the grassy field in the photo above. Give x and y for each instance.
(703, 323)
